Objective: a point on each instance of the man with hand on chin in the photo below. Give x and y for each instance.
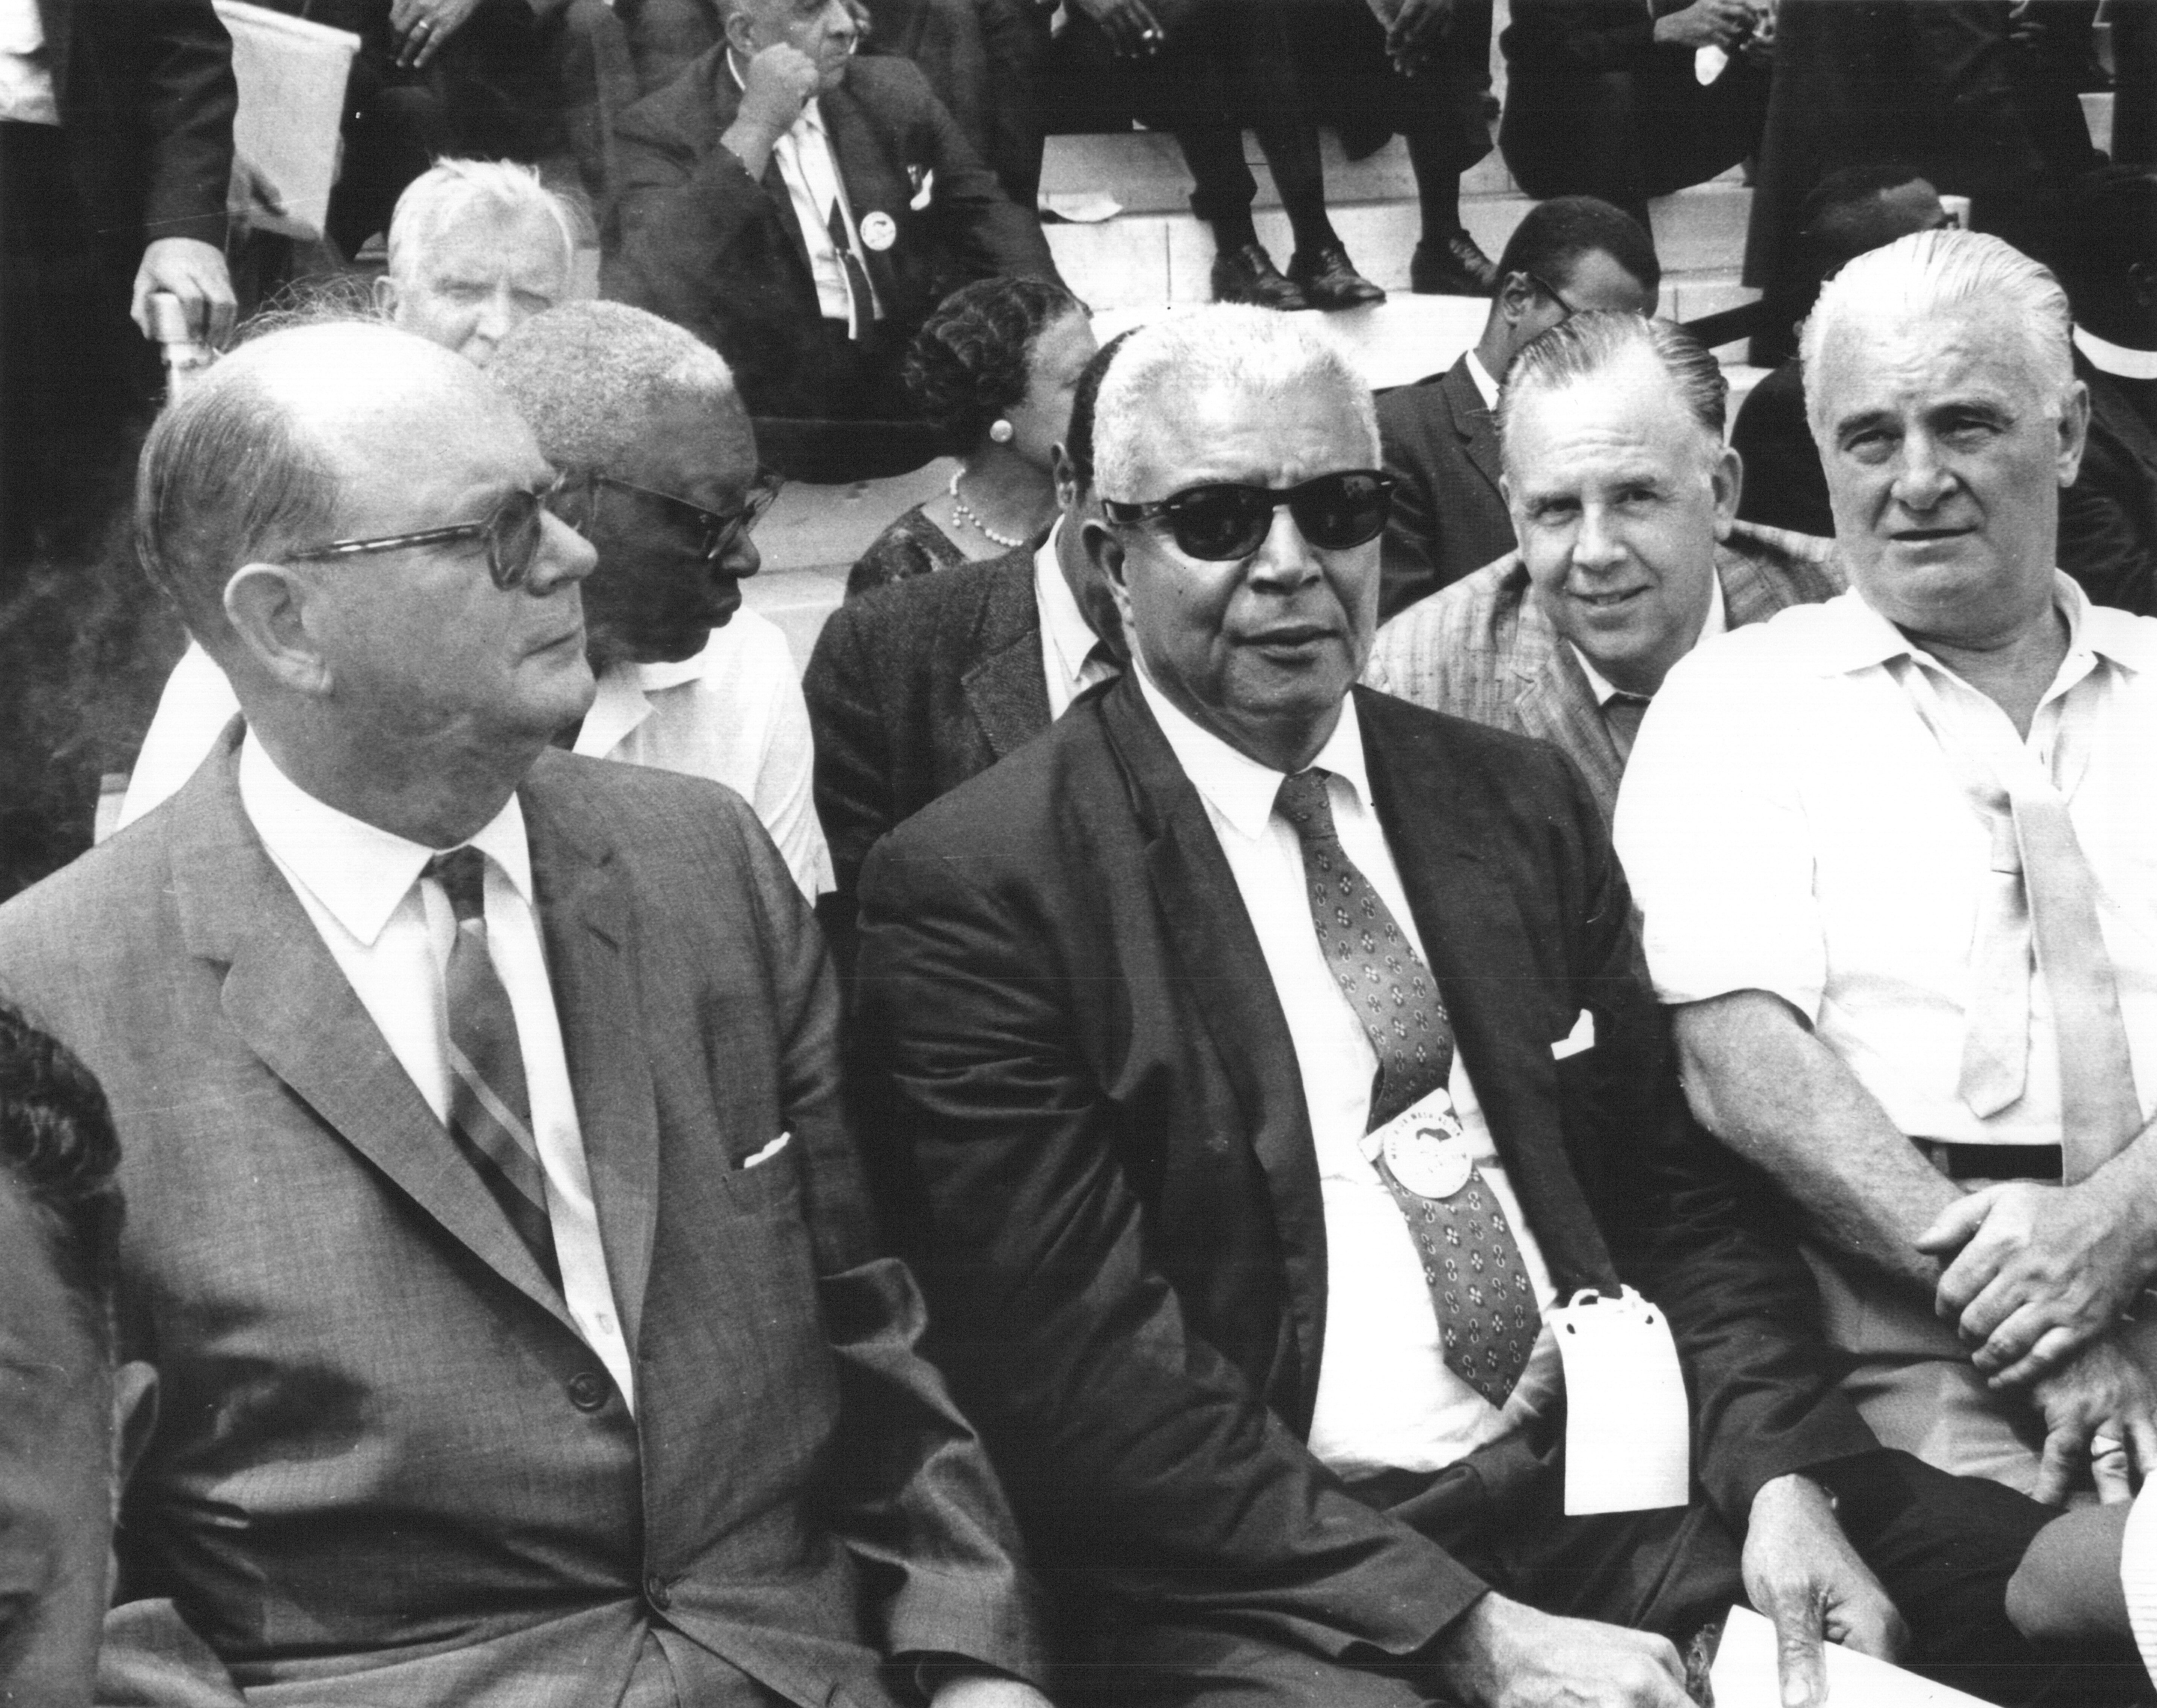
(802, 211)
(1272, 1064)
(1893, 854)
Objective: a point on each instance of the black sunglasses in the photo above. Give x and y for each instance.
(1223, 520)
(512, 530)
(716, 531)
(1551, 291)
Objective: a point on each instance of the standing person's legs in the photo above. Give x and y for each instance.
(1444, 114)
(1576, 136)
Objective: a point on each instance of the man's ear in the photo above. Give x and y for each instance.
(267, 605)
(1727, 478)
(2074, 433)
(133, 1418)
(1106, 553)
(1065, 475)
(386, 294)
(739, 30)
(1515, 295)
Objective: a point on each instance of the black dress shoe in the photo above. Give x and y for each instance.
(1249, 274)
(1328, 281)
(1454, 268)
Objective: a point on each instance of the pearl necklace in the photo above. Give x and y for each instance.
(960, 509)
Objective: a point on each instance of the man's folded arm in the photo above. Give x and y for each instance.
(1144, 1463)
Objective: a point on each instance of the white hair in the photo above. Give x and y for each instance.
(1929, 275)
(1162, 365)
(448, 188)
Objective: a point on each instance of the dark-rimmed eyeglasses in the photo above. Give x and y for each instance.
(1223, 520)
(512, 531)
(716, 531)
(1551, 291)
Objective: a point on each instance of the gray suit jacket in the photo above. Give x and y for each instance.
(387, 1469)
(1440, 444)
(914, 688)
(1483, 649)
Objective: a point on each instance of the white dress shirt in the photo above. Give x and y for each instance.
(811, 171)
(1791, 825)
(1716, 622)
(2138, 1574)
(1486, 386)
(26, 81)
(733, 713)
(390, 932)
(1066, 637)
(1386, 1399)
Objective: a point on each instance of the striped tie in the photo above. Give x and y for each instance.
(490, 1111)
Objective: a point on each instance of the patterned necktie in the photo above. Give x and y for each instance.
(1486, 1305)
(860, 304)
(1622, 713)
(490, 1111)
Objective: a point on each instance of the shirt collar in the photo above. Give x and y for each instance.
(624, 699)
(1486, 387)
(1858, 637)
(1065, 624)
(1237, 786)
(2121, 361)
(1716, 622)
(358, 872)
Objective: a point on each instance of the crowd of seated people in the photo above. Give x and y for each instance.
(1337, 1049)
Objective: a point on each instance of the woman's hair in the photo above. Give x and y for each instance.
(971, 361)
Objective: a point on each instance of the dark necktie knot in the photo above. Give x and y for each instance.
(462, 874)
(1302, 802)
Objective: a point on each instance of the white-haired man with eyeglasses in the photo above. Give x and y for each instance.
(1262, 1060)
(1893, 853)
(494, 1222)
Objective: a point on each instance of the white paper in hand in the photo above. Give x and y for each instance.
(1628, 1445)
(1744, 1675)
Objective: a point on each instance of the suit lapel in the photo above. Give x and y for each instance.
(871, 188)
(1222, 965)
(584, 916)
(287, 998)
(1451, 858)
(1472, 421)
(1008, 691)
(1555, 704)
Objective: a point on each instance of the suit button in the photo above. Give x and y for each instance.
(655, 1591)
(588, 1391)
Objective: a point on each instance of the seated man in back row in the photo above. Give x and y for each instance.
(1270, 1060)
(493, 1222)
(1894, 854)
(1623, 493)
(802, 212)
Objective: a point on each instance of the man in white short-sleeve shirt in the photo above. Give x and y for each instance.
(1897, 860)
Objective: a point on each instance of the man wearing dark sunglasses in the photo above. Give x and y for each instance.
(490, 1203)
(1441, 441)
(1157, 1016)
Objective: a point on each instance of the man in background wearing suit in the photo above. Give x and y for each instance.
(492, 1222)
(1281, 1421)
(1623, 494)
(1440, 440)
(919, 686)
(802, 212)
(116, 156)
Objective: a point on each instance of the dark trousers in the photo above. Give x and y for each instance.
(1942, 1547)
(77, 379)
(1625, 136)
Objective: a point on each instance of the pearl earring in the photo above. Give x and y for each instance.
(1002, 432)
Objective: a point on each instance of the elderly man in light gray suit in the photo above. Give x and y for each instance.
(492, 1221)
(1624, 499)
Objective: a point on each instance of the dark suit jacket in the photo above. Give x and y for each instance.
(1784, 486)
(1449, 520)
(915, 688)
(146, 100)
(2108, 517)
(1066, 1024)
(705, 247)
(387, 1468)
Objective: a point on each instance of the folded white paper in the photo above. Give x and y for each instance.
(1744, 1675)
